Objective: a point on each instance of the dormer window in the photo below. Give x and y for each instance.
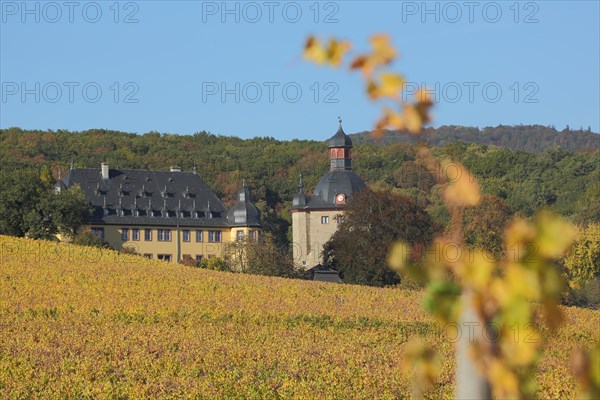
(143, 192)
(165, 192)
(187, 194)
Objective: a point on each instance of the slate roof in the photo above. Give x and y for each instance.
(333, 183)
(340, 139)
(141, 197)
(323, 274)
(243, 213)
(300, 199)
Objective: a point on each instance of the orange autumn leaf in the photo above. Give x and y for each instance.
(383, 53)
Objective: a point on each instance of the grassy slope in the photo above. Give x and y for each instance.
(82, 322)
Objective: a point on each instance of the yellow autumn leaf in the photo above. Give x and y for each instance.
(555, 235)
(335, 51)
(314, 50)
(462, 189)
(477, 269)
(399, 255)
(517, 235)
(383, 52)
(506, 384)
(390, 85)
(521, 350)
(412, 120)
(523, 281)
(333, 54)
(390, 119)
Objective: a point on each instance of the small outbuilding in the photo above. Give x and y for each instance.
(323, 274)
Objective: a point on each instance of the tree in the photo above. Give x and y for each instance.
(588, 206)
(39, 221)
(483, 225)
(69, 210)
(20, 194)
(413, 174)
(259, 256)
(372, 222)
(582, 263)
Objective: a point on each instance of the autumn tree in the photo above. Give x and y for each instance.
(483, 225)
(372, 221)
(582, 263)
(259, 255)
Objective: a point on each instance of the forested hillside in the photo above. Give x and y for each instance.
(566, 181)
(530, 138)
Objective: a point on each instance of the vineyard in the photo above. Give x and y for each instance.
(80, 322)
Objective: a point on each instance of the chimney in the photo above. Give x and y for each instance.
(104, 168)
(175, 168)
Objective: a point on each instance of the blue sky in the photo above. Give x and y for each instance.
(235, 68)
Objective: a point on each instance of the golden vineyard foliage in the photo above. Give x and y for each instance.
(385, 86)
(80, 322)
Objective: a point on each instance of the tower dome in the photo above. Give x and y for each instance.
(337, 185)
(243, 213)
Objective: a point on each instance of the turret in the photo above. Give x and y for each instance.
(300, 199)
(339, 150)
(244, 213)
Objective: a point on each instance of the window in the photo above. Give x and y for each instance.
(214, 236)
(199, 236)
(135, 234)
(186, 235)
(252, 234)
(148, 255)
(124, 234)
(340, 219)
(99, 232)
(147, 235)
(324, 219)
(164, 257)
(163, 235)
(239, 235)
(199, 258)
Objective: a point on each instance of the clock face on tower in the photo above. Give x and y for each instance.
(340, 199)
